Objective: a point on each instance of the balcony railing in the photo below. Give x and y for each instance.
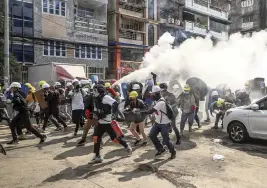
(90, 25)
(131, 36)
(196, 28)
(205, 8)
(133, 3)
(219, 35)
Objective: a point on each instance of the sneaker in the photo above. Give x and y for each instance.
(199, 126)
(129, 150)
(58, 129)
(137, 141)
(173, 155)
(28, 133)
(74, 134)
(144, 143)
(215, 127)
(81, 142)
(178, 142)
(22, 137)
(96, 160)
(13, 142)
(42, 140)
(159, 153)
(2, 149)
(207, 120)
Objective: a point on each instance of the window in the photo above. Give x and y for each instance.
(88, 52)
(17, 9)
(45, 6)
(247, 3)
(18, 52)
(151, 9)
(17, 27)
(57, 7)
(28, 11)
(54, 48)
(151, 35)
(263, 105)
(247, 19)
(90, 71)
(28, 28)
(28, 53)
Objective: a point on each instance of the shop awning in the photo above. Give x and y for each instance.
(69, 72)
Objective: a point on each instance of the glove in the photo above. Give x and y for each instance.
(87, 113)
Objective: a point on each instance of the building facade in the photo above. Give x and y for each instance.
(61, 31)
(184, 18)
(248, 16)
(132, 26)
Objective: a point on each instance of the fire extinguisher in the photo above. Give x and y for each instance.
(117, 129)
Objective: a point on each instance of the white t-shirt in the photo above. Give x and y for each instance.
(161, 118)
(77, 101)
(109, 101)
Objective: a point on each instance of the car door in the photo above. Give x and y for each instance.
(258, 120)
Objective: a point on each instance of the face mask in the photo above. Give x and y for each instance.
(77, 87)
(95, 93)
(186, 92)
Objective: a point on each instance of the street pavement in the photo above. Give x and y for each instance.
(59, 163)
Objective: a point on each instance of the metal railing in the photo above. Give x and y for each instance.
(90, 25)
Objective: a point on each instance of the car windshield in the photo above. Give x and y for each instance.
(254, 101)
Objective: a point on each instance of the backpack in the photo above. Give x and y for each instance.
(170, 113)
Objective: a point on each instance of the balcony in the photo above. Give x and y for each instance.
(195, 28)
(247, 25)
(131, 36)
(132, 7)
(90, 25)
(219, 35)
(205, 8)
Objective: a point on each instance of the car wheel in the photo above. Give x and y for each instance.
(238, 132)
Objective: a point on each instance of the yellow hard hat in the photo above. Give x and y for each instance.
(28, 85)
(158, 83)
(220, 102)
(133, 95)
(32, 89)
(186, 87)
(107, 84)
(42, 82)
(247, 84)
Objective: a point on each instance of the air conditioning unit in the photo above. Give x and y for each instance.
(177, 22)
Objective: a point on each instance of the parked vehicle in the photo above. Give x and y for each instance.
(247, 121)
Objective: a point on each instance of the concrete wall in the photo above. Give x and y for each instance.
(56, 27)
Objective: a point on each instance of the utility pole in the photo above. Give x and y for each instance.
(6, 45)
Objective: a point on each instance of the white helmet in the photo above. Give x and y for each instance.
(85, 82)
(44, 86)
(75, 80)
(136, 86)
(69, 84)
(57, 84)
(15, 85)
(242, 90)
(214, 93)
(175, 86)
(156, 89)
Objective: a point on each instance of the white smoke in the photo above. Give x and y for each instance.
(232, 62)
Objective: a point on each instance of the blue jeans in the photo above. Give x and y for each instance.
(164, 130)
(186, 116)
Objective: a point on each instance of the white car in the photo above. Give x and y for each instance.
(247, 122)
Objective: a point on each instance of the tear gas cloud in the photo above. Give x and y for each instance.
(231, 62)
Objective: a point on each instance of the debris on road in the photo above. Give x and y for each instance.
(218, 157)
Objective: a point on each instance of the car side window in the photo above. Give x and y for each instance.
(263, 105)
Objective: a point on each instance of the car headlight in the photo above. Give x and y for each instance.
(228, 112)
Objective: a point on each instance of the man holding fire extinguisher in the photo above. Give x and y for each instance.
(187, 103)
(105, 109)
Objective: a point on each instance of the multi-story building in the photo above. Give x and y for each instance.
(21, 34)
(61, 31)
(132, 28)
(248, 16)
(183, 18)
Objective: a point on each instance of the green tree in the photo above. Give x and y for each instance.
(14, 66)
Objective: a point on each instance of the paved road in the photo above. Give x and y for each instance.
(59, 163)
